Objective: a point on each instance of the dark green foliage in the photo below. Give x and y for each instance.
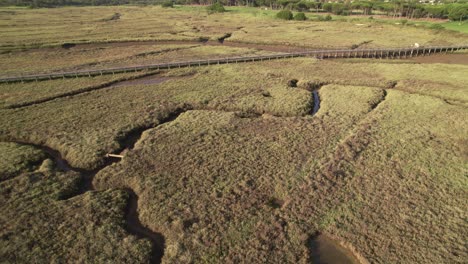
(300, 16)
(167, 4)
(435, 11)
(327, 7)
(458, 12)
(339, 9)
(285, 14)
(302, 6)
(216, 8)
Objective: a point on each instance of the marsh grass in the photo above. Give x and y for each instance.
(18, 94)
(53, 27)
(248, 175)
(235, 167)
(99, 56)
(15, 159)
(39, 226)
(48, 60)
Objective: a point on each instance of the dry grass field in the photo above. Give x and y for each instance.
(101, 56)
(22, 28)
(227, 163)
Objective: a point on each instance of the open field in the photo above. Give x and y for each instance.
(23, 28)
(101, 56)
(228, 163)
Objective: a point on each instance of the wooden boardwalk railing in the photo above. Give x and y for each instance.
(322, 54)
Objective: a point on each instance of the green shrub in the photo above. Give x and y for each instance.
(325, 18)
(285, 14)
(436, 27)
(167, 4)
(216, 8)
(300, 16)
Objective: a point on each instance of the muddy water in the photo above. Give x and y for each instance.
(324, 250)
(455, 58)
(316, 102)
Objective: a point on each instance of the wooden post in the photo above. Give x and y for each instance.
(110, 155)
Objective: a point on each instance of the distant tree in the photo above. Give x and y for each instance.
(168, 4)
(339, 9)
(302, 6)
(458, 13)
(327, 7)
(435, 11)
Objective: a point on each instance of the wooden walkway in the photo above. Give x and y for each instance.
(395, 53)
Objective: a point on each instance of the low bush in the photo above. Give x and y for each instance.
(325, 18)
(300, 16)
(216, 8)
(285, 14)
(436, 27)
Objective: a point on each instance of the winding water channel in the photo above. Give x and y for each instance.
(133, 224)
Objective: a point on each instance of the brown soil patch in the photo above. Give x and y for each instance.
(153, 79)
(274, 48)
(323, 249)
(443, 58)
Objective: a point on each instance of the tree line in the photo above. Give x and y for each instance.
(455, 10)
